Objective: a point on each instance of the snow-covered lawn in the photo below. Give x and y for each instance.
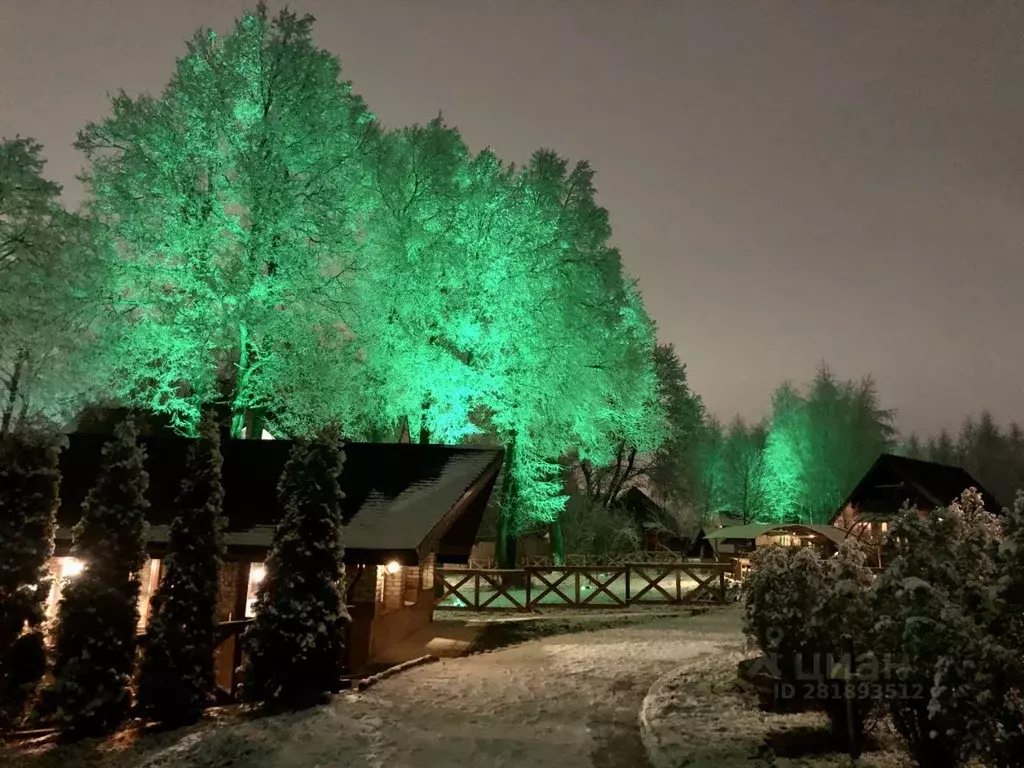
(556, 702)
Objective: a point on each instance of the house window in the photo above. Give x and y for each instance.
(149, 579)
(257, 572)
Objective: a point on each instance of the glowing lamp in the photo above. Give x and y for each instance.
(393, 567)
(70, 567)
(257, 575)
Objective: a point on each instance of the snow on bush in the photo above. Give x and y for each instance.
(295, 642)
(176, 676)
(784, 589)
(932, 605)
(1005, 743)
(29, 489)
(94, 651)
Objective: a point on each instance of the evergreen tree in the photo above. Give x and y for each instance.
(176, 676)
(98, 616)
(743, 470)
(296, 641)
(29, 488)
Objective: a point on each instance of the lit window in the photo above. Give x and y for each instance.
(257, 572)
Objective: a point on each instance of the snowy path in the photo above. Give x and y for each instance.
(564, 701)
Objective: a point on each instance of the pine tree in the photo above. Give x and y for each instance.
(176, 676)
(94, 653)
(296, 641)
(29, 488)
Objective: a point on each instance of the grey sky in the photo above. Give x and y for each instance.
(791, 181)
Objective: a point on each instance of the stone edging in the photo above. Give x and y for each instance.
(366, 682)
(647, 736)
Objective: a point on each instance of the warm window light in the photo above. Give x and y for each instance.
(258, 574)
(393, 567)
(70, 567)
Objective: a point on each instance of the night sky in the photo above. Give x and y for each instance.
(791, 181)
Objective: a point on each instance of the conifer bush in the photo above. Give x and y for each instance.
(29, 495)
(94, 650)
(295, 643)
(176, 676)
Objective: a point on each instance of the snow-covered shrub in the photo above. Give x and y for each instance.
(94, 651)
(845, 609)
(29, 488)
(176, 676)
(1005, 743)
(784, 589)
(932, 605)
(295, 643)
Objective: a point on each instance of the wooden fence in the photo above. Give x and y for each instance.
(582, 560)
(611, 586)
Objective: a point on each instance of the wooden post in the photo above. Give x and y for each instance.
(852, 731)
(529, 578)
(627, 584)
(721, 587)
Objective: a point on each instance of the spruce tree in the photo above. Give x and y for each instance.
(29, 488)
(94, 652)
(176, 676)
(296, 641)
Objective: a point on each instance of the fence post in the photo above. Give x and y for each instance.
(528, 580)
(476, 591)
(628, 577)
(721, 587)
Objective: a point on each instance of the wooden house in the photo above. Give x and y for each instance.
(660, 530)
(407, 508)
(895, 481)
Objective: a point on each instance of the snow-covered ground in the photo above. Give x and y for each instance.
(556, 702)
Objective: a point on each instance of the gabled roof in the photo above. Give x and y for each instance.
(894, 480)
(397, 496)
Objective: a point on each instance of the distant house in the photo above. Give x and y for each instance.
(895, 481)
(406, 509)
(660, 529)
(740, 540)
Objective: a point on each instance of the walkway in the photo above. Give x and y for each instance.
(566, 701)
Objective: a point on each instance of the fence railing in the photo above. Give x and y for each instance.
(582, 560)
(533, 588)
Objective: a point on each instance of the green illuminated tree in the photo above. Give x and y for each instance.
(232, 203)
(176, 675)
(295, 642)
(415, 288)
(98, 615)
(819, 445)
(29, 489)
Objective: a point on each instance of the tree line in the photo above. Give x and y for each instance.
(253, 239)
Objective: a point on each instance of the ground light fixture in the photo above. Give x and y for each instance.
(393, 567)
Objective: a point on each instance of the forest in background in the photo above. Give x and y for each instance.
(254, 240)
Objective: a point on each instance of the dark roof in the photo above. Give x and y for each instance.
(894, 480)
(646, 510)
(396, 494)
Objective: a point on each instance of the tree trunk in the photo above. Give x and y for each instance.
(13, 391)
(505, 541)
(557, 543)
(238, 410)
(403, 430)
(424, 429)
(254, 421)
